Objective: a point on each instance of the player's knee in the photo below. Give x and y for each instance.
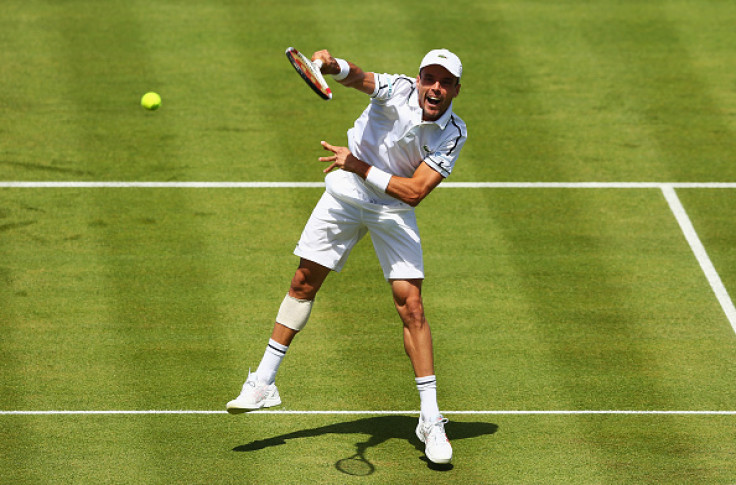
(302, 287)
(413, 313)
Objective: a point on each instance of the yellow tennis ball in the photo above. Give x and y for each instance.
(151, 101)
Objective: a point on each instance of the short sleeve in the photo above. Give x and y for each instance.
(443, 158)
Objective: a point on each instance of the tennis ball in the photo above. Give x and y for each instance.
(151, 101)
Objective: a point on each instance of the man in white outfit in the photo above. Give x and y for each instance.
(401, 147)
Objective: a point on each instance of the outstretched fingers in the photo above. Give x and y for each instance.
(328, 147)
(331, 158)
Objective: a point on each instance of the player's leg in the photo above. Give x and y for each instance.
(418, 345)
(260, 389)
(417, 338)
(292, 317)
(305, 284)
(397, 244)
(325, 244)
(396, 240)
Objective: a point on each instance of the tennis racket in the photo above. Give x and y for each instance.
(310, 72)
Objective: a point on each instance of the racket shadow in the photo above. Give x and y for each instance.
(379, 429)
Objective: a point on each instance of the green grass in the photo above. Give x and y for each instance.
(539, 299)
(264, 449)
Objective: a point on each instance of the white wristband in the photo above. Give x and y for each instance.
(378, 179)
(344, 69)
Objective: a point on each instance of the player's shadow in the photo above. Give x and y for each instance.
(379, 429)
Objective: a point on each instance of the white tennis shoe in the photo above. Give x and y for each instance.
(255, 395)
(437, 446)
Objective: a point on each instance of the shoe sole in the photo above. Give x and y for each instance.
(234, 409)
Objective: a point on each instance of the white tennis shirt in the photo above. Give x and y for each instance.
(391, 136)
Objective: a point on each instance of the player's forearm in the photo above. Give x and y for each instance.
(359, 79)
(346, 73)
(411, 191)
(406, 190)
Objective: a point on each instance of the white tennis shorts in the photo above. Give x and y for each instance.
(336, 226)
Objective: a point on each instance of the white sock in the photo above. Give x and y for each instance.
(427, 387)
(271, 361)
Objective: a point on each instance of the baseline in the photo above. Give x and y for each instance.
(380, 412)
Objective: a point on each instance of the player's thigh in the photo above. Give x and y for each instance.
(396, 240)
(331, 232)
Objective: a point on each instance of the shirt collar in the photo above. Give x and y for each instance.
(441, 121)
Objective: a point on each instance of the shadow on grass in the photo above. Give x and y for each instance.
(380, 429)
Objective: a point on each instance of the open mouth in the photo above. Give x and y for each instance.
(433, 101)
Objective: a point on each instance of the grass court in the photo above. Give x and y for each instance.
(580, 260)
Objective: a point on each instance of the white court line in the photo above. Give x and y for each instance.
(385, 412)
(449, 185)
(700, 254)
(161, 185)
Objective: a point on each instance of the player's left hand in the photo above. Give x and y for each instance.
(342, 158)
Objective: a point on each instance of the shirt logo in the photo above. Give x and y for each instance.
(428, 151)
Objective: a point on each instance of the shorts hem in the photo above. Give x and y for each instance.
(310, 257)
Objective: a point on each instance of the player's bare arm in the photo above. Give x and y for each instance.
(409, 190)
(356, 78)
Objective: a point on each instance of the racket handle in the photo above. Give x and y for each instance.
(318, 64)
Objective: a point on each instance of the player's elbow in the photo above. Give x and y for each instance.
(415, 197)
(412, 191)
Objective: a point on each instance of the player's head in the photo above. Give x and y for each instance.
(438, 82)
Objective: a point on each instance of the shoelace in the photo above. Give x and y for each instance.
(437, 430)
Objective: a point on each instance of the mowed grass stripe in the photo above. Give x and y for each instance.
(156, 309)
(655, 63)
(509, 138)
(60, 133)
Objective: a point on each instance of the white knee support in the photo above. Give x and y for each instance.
(294, 312)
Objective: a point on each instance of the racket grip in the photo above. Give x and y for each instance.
(318, 64)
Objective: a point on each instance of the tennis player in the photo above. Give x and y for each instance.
(400, 148)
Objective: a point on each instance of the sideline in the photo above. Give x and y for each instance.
(700, 253)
